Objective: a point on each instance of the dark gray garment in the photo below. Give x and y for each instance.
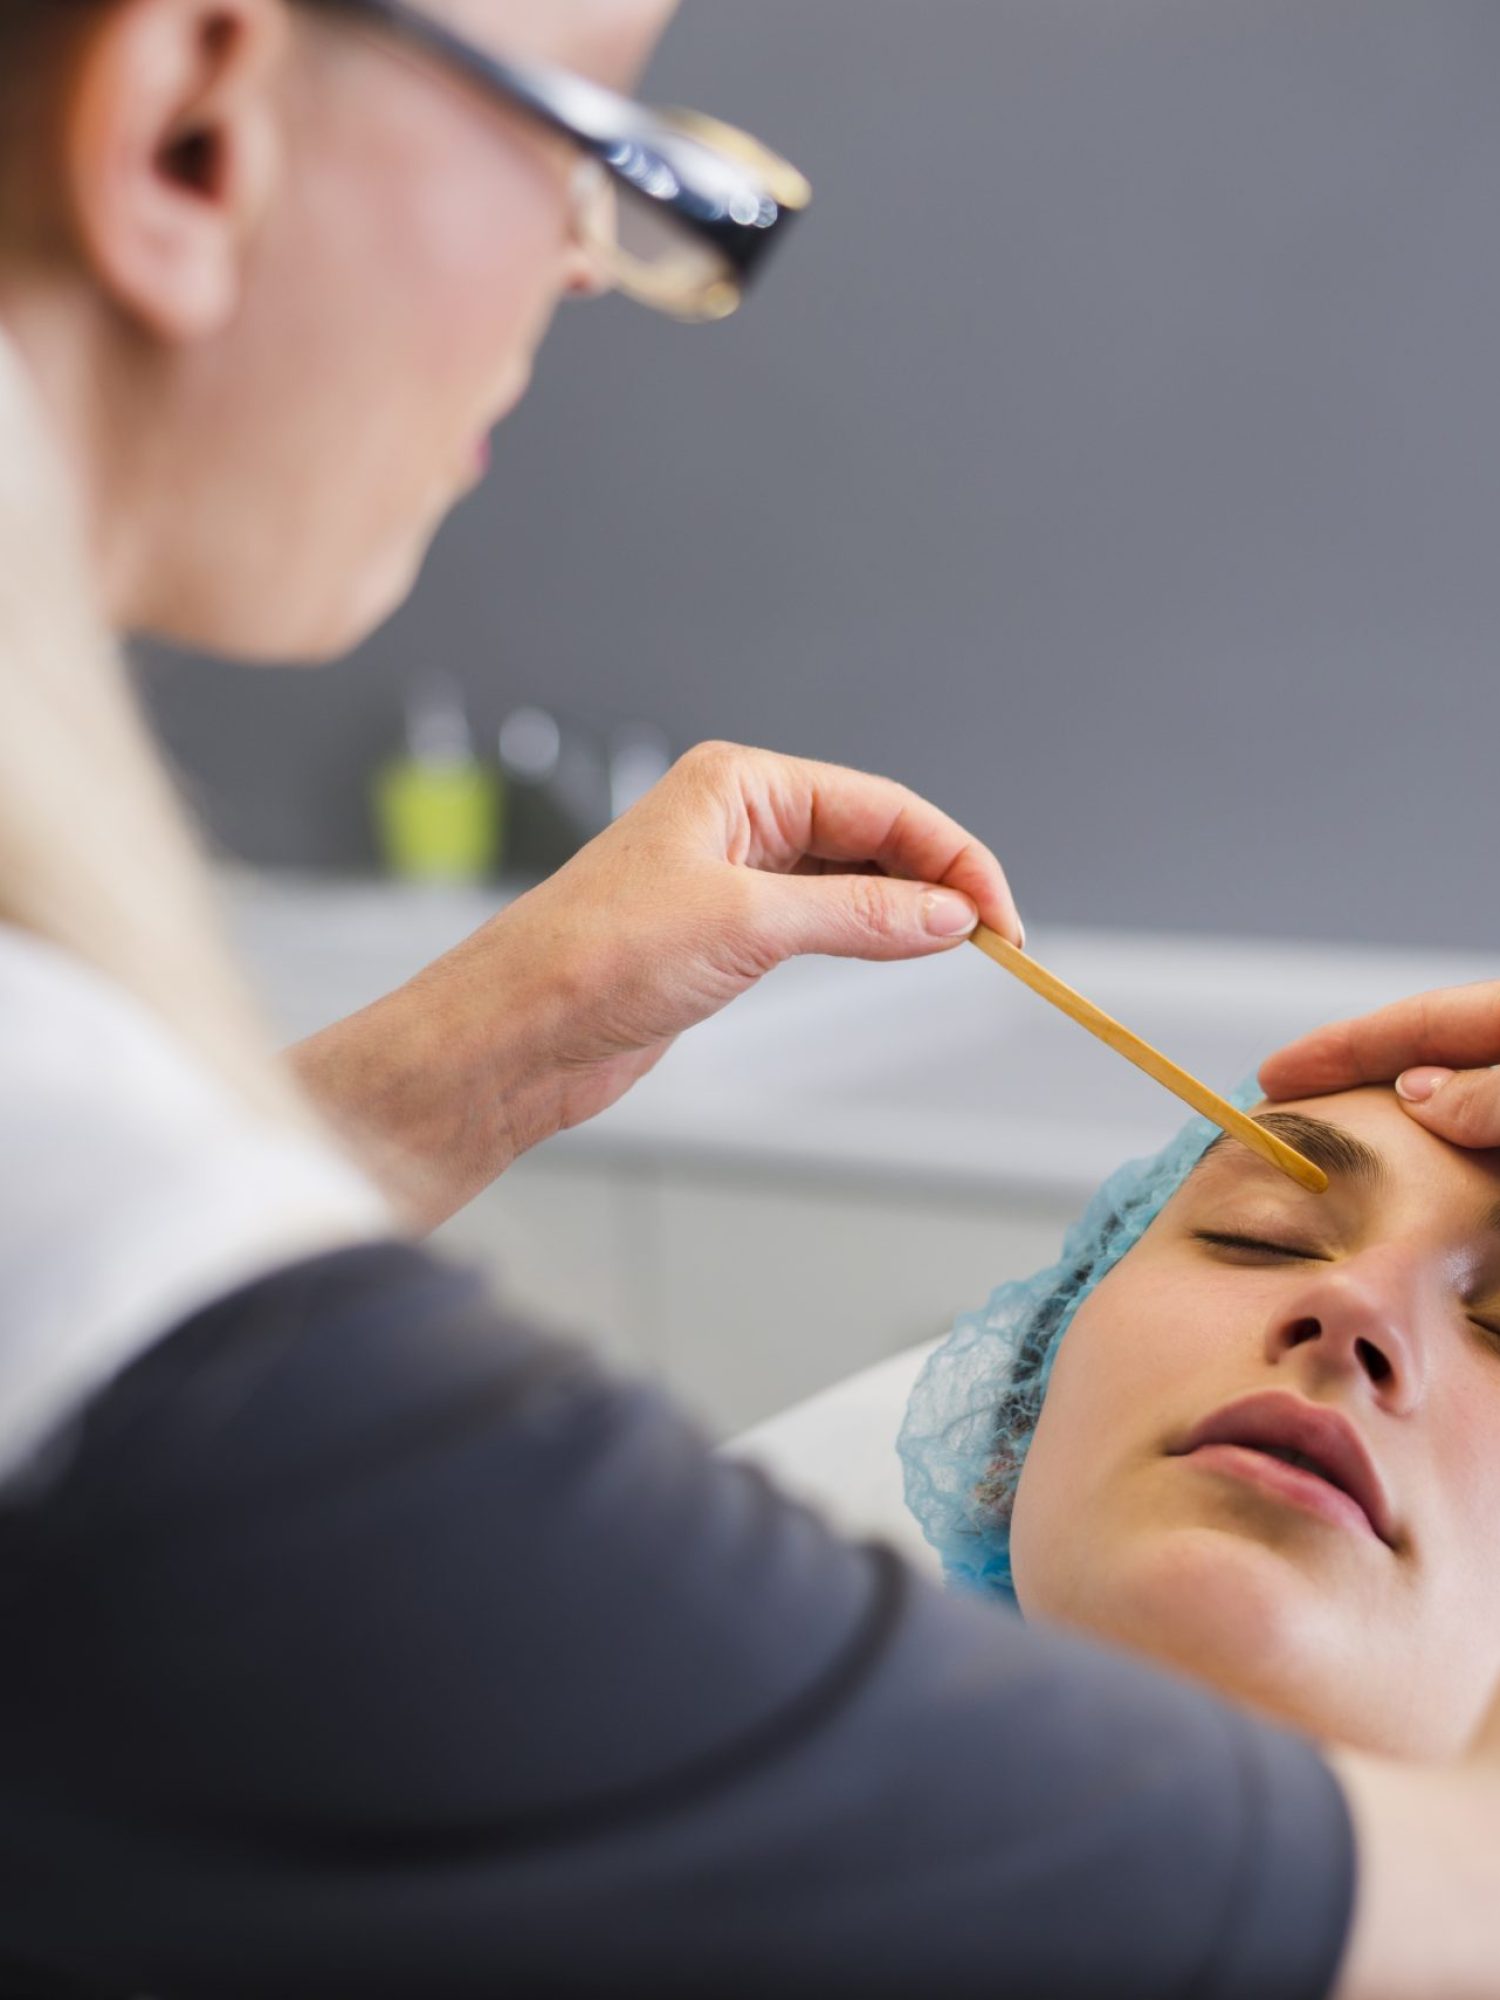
(364, 1643)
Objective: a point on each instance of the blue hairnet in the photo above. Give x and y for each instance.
(971, 1416)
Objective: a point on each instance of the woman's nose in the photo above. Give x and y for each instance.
(1363, 1317)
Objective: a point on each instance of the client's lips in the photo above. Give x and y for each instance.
(1301, 1451)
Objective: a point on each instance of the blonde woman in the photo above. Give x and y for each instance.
(359, 1640)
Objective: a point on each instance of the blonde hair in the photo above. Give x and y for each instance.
(96, 855)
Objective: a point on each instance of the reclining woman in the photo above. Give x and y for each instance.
(1248, 1430)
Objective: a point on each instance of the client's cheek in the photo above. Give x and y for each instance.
(1450, 1493)
(1037, 1565)
(1127, 1378)
(1134, 1345)
(1061, 1500)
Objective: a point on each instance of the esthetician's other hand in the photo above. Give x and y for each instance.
(1436, 1048)
(738, 860)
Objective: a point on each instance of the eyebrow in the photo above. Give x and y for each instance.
(1333, 1148)
(1338, 1152)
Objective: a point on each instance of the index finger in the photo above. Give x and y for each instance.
(830, 813)
(1455, 1026)
(907, 837)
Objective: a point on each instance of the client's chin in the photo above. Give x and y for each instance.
(1226, 1609)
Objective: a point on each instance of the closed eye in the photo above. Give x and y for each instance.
(1257, 1246)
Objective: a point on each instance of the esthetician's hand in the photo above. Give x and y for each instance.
(738, 860)
(1436, 1048)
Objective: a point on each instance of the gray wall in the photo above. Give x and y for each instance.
(1114, 457)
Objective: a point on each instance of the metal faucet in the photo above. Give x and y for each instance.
(582, 776)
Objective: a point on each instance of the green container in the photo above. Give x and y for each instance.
(439, 822)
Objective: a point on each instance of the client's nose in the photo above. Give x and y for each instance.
(1361, 1317)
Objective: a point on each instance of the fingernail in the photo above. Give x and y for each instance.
(1417, 1085)
(1020, 931)
(948, 915)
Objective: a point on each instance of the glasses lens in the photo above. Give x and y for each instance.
(642, 247)
(651, 236)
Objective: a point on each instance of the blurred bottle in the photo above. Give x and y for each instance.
(567, 779)
(438, 808)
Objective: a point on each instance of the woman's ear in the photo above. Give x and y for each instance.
(171, 148)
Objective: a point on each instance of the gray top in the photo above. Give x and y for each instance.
(376, 1645)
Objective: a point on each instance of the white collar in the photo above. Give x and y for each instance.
(134, 1189)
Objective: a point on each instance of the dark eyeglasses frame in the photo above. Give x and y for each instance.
(719, 189)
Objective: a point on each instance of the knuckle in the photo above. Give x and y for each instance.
(751, 939)
(710, 757)
(739, 905)
(870, 902)
(1471, 1111)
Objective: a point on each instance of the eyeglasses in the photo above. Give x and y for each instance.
(674, 209)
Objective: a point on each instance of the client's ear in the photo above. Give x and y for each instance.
(171, 146)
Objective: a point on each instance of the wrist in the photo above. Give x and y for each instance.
(489, 1021)
(443, 1083)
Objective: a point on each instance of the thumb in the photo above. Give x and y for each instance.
(1459, 1105)
(863, 916)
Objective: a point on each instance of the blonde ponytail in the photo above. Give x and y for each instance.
(95, 853)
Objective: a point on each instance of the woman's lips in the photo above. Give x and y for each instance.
(482, 451)
(471, 470)
(1292, 1484)
(1305, 1453)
